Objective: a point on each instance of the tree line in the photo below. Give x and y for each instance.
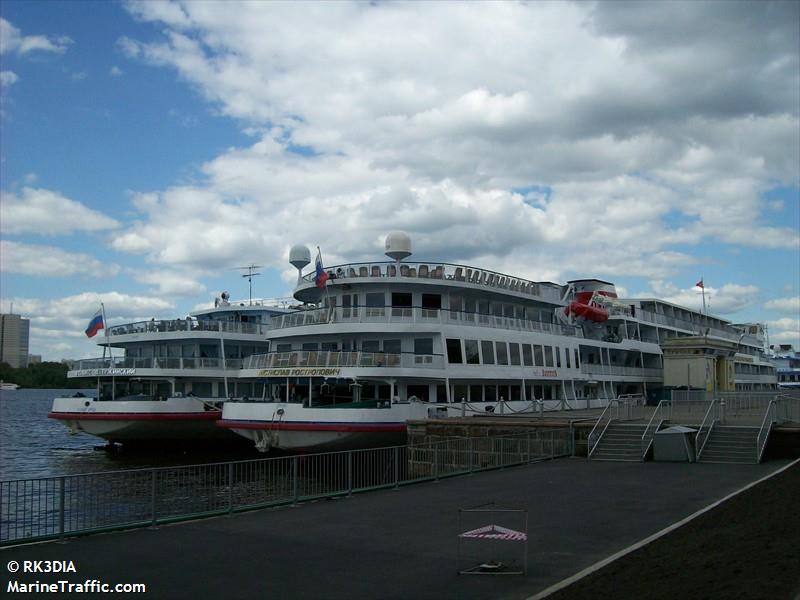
(42, 375)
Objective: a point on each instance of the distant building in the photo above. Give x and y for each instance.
(34, 359)
(14, 333)
(787, 361)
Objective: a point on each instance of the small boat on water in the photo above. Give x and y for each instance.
(7, 387)
(168, 384)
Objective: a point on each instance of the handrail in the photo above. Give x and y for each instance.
(760, 446)
(647, 429)
(697, 445)
(592, 447)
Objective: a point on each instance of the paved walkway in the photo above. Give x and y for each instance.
(401, 544)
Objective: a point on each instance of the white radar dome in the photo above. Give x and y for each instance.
(299, 256)
(398, 245)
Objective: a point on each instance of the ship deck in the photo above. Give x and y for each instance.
(402, 543)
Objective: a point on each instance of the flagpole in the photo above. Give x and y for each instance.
(327, 291)
(110, 356)
(703, 289)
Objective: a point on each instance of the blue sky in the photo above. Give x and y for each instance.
(149, 149)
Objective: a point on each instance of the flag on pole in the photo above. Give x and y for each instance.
(321, 276)
(96, 324)
(700, 284)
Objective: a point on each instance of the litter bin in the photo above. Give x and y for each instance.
(674, 444)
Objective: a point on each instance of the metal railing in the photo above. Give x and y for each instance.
(57, 507)
(193, 325)
(423, 316)
(770, 417)
(330, 358)
(649, 432)
(595, 369)
(161, 362)
(603, 421)
(706, 426)
(446, 271)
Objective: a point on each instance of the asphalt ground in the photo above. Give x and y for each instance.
(400, 544)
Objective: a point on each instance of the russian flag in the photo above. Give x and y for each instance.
(96, 324)
(321, 276)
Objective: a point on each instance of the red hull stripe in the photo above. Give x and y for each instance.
(311, 426)
(211, 415)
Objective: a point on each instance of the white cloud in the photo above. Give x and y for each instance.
(11, 40)
(362, 127)
(171, 284)
(57, 325)
(789, 306)
(8, 78)
(49, 261)
(727, 299)
(41, 211)
(116, 71)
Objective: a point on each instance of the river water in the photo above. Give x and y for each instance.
(33, 446)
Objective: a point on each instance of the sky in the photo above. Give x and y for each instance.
(148, 149)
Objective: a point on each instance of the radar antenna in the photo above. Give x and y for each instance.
(249, 276)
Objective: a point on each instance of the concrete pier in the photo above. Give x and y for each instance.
(400, 544)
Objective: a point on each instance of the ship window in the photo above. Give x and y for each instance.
(558, 356)
(459, 392)
(471, 352)
(487, 350)
(391, 346)
(420, 391)
(370, 346)
(441, 393)
(469, 305)
(527, 355)
(548, 356)
(515, 393)
(577, 359)
(508, 310)
(513, 350)
(423, 346)
(497, 309)
(537, 392)
(490, 393)
(476, 393)
(329, 346)
(566, 356)
(208, 351)
(456, 305)
(375, 300)
(537, 355)
(503, 391)
(431, 301)
(502, 353)
(284, 347)
(454, 351)
(398, 299)
(519, 311)
(310, 346)
(483, 307)
(231, 351)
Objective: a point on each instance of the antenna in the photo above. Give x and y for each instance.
(249, 276)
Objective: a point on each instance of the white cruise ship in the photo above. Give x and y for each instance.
(167, 379)
(380, 343)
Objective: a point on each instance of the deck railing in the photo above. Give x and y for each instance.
(419, 315)
(330, 358)
(193, 325)
(58, 507)
(161, 362)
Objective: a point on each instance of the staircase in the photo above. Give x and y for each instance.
(622, 442)
(728, 444)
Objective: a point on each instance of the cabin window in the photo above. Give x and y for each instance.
(310, 346)
(459, 392)
(566, 356)
(400, 300)
(284, 347)
(527, 355)
(370, 346)
(391, 346)
(469, 305)
(503, 391)
(329, 346)
(577, 359)
(376, 300)
(487, 350)
(432, 301)
(508, 311)
(456, 306)
(490, 393)
(519, 311)
(349, 305)
(420, 391)
(483, 307)
(538, 357)
(454, 351)
(441, 393)
(538, 392)
(515, 393)
(502, 353)
(423, 346)
(513, 350)
(558, 357)
(548, 356)
(475, 393)
(497, 309)
(471, 352)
